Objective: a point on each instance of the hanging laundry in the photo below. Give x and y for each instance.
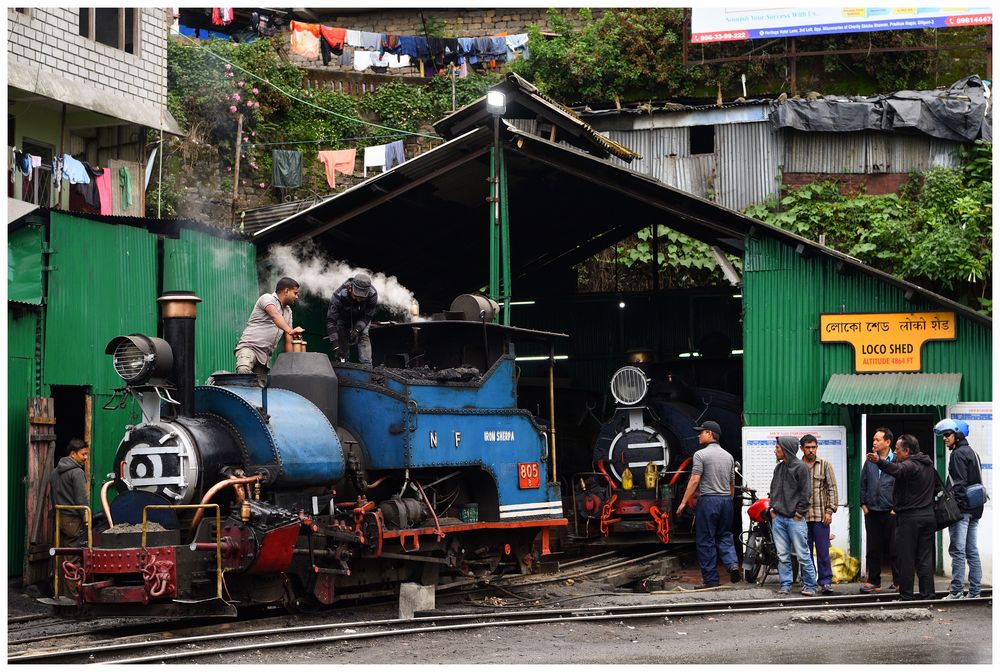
(362, 59)
(388, 44)
(305, 39)
(374, 158)
(388, 60)
(370, 41)
(57, 172)
(408, 45)
(125, 184)
(104, 189)
(334, 37)
(88, 189)
(286, 168)
(337, 161)
(74, 170)
(346, 58)
(515, 43)
(394, 152)
(353, 38)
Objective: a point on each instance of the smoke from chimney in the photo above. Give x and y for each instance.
(319, 277)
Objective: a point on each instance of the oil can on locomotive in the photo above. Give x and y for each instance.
(642, 457)
(330, 481)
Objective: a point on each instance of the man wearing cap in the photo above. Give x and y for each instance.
(270, 318)
(713, 474)
(791, 490)
(352, 308)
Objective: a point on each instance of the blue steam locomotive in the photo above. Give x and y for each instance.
(327, 482)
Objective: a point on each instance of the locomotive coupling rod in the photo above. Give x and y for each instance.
(88, 518)
(218, 533)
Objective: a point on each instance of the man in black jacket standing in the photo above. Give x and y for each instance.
(963, 470)
(69, 488)
(791, 490)
(913, 501)
(352, 308)
(880, 519)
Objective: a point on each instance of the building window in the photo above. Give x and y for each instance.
(116, 28)
(702, 139)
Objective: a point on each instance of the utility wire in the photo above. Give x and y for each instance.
(306, 102)
(308, 142)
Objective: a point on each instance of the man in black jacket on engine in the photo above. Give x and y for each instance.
(352, 308)
(913, 502)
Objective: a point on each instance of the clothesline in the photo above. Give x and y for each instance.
(387, 50)
(307, 102)
(322, 140)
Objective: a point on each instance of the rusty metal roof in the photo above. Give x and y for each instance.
(525, 101)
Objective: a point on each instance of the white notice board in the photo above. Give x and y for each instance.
(759, 462)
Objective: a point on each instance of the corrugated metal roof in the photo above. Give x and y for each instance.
(525, 101)
(894, 389)
(825, 152)
(255, 219)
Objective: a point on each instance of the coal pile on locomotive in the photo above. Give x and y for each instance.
(328, 482)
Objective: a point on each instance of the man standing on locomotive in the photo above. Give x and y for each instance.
(352, 308)
(713, 474)
(791, 489)
(822, 506)
(270, 318)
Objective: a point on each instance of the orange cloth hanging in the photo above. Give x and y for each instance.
(305, 39)
(334, 36)
(337, 161)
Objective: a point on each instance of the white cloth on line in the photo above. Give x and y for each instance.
(374, 158)
(353, 38)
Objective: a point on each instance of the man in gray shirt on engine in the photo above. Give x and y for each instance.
(714, 475)
(270, 319)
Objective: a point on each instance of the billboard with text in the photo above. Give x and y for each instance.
(719, 24)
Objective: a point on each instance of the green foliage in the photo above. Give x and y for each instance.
(637, 54)
(399, 106)
(467, 90)
(937, 232)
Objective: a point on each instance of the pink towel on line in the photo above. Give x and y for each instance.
(340, 160)
(104, 191)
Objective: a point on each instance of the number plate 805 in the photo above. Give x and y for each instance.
(527, 475)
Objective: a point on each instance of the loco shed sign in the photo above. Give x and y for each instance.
(886, 341)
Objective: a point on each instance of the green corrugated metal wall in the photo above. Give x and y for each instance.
(103, 284)
(786, 368)
(21, 384)
(223, 274)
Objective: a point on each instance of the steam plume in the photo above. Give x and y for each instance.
(319, 276)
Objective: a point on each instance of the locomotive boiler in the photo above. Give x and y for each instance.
(642, 458)
(328, 481)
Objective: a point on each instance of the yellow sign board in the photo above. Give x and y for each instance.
(886, 341)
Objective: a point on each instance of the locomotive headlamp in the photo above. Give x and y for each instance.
(629, 385)
(141, 360)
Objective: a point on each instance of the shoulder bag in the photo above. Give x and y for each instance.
(946, 511)
(975, 494)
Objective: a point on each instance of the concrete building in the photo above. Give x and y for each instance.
(89, 83)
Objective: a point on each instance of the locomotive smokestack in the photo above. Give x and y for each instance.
(178, 311)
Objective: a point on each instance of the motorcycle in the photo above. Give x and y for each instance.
(760, 556)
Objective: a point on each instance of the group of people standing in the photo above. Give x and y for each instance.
(898, 489)
(348, 318)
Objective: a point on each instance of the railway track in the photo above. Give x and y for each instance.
(117, 651)
(32, 628)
